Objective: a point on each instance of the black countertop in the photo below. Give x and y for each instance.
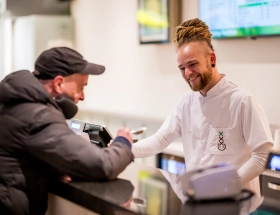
(146, 190)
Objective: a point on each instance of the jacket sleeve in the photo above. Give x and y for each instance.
(55, 144)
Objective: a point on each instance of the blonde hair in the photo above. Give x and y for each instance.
(193, 30)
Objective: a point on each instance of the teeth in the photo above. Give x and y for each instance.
(192, 78)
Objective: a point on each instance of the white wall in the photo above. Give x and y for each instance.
(143, 80)
(30, 37)
(2, 10)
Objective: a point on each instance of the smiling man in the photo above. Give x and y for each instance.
(217, 121)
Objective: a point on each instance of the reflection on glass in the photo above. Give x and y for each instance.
(155, 192)
(140, 202)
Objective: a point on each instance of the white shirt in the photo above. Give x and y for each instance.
(228, 117)
(227, 109)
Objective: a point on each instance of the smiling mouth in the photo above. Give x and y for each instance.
(192, 79)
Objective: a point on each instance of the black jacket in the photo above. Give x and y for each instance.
(35, 139)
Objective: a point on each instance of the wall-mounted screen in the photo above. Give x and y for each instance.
(273, 161)
(171, 163)
(241, 18)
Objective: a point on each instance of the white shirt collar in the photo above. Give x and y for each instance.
(216, 88)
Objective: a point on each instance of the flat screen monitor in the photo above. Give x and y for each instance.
(241, 18)
(171, 163)
(273, 161)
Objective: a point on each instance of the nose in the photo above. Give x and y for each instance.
(187, 73)
(82, 96)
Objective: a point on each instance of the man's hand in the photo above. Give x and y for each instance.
(123, 132)
(109, 144)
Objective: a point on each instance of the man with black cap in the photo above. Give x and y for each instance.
(35, 139)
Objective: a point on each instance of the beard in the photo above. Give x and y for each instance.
(205, 79)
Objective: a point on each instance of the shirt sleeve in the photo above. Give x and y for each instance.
(255, 126)
(255, 165)
(149, 146)
(168, 132)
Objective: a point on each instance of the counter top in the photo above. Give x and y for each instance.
(100, 197)
(146, 190)
(272, 173)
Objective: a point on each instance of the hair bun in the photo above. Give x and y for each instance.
(192, 30)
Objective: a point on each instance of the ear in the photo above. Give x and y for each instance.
(212, 58)
(58, 84)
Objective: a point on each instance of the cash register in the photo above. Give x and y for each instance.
(96, 134)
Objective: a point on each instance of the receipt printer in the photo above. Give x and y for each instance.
(211, 183)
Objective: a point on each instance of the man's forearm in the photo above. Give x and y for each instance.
(255, 165)
(149, 146)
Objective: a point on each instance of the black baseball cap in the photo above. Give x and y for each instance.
(63, 61)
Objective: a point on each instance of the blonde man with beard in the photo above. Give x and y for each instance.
(217, 121)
